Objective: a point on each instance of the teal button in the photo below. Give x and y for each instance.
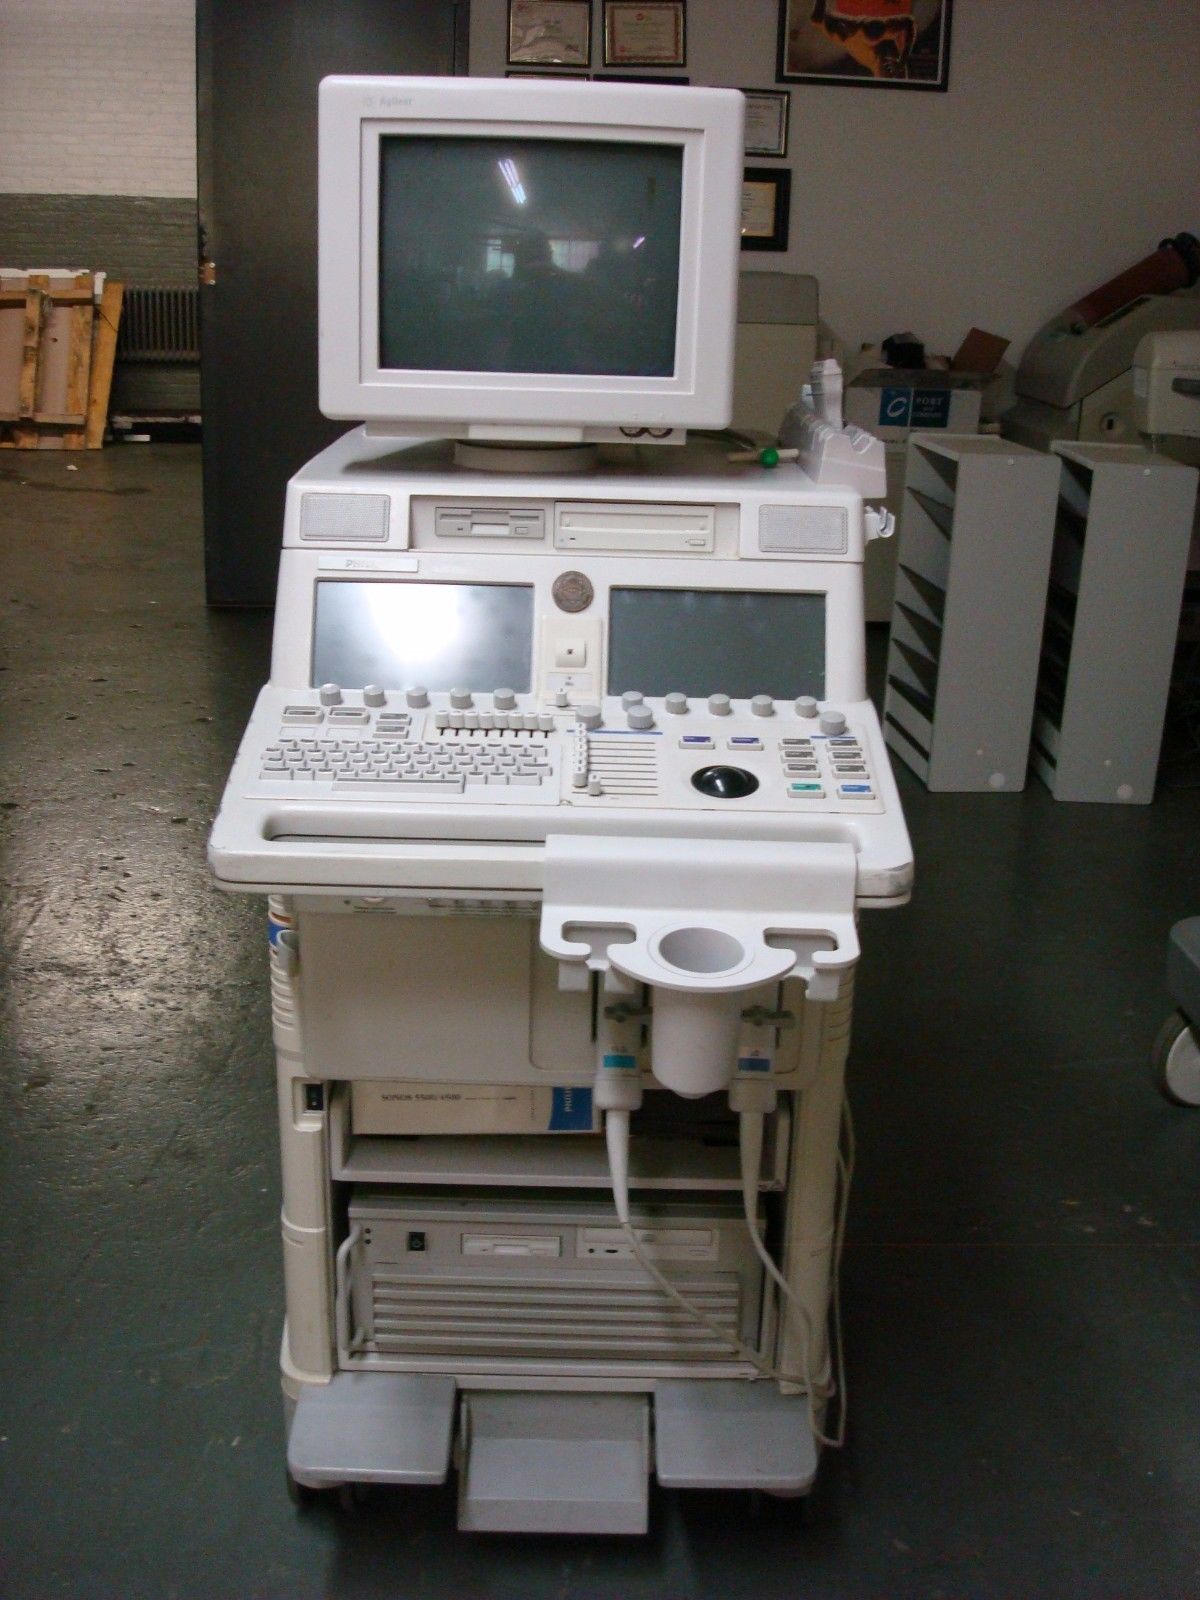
(805, 788)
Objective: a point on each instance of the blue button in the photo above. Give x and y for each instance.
(855, 788)
(696, 738)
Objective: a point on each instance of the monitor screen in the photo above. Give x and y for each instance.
(524, 255)
(716, 641)
(476, 636)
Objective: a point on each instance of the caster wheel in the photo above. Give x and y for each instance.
(1176, 1060)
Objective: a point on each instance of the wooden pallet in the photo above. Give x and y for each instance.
(58, 342)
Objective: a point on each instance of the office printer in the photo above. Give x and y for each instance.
(1075, 380)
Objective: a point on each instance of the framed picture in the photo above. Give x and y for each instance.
(549, 33)
(649, 35)
(642, 77)
(528, 72)
(766, 201)
(767, 121)
(879, 44)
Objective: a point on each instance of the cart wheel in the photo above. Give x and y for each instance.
(1176, 1060)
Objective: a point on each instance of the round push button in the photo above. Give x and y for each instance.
(725, 783)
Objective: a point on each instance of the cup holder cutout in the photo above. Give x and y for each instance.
(701, 950)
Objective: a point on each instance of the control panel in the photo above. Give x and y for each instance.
(458, 746)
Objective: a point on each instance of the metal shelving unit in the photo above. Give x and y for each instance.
(1119, 563)
(976, 532)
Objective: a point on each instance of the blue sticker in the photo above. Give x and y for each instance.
(571, 1111)
(931, 408)
(895, 408)
(620, 1063)
(274, 929)
(753, 1064)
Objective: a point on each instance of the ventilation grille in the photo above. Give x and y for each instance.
(625, 764)
(552, 1320)
(160, 324)
(356, 518)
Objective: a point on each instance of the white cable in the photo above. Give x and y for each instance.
(750, 1143)
(616, 1131)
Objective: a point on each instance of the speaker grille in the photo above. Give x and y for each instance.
(344, 518)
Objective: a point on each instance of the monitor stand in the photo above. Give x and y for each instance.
(518, 459)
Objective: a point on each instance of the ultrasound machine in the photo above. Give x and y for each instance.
(565, 795)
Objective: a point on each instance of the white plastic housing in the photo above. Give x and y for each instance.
(356, 113)
(1166, 370)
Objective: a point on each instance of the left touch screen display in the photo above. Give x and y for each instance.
(476, 636)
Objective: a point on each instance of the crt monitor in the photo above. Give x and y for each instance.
(528, 259)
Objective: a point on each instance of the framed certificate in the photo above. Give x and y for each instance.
(650, 35)
(767, 121)
(549, 33)
(766, 201)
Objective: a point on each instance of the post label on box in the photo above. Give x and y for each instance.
(895, 408)
(930, 408)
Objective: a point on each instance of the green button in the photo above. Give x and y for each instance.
(804, 788)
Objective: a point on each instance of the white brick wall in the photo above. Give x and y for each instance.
(98, 97)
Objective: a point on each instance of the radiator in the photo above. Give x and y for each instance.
(160, 324)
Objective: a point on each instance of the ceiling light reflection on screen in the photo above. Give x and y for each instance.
(508, 171)
(421, 624)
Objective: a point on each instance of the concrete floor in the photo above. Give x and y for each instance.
(1021, 1279)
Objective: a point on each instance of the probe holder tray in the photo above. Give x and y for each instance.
(699, 919)
(701, 931)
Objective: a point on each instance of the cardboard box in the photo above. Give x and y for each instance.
(410, 1108)
(892, 402)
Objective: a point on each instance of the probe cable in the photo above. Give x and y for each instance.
(616, 1129)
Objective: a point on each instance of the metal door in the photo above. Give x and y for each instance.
(258, 66)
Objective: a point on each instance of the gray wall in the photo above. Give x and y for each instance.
(138, 238)
(1064, 150)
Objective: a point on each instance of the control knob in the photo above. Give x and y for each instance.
(373, 695)
(719, 705)
(589, 716)
(833, 722)
(504, 700)
(762, 705)
(330, 694)
(640, 717)
(806, 706)
(461, 699)
(595, 786)
(417, 697)
(631, 697)
(676, 704)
